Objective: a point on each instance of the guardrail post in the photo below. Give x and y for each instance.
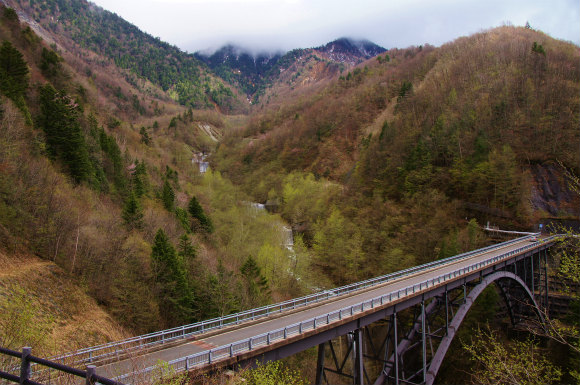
(91, 371)
(25, 365)
(285, 333)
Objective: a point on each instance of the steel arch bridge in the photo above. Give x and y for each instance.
(412, 352)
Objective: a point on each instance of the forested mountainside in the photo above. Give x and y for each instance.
(383, 166)
(238, 66)
(84, 28)
(376, 166)
(257, 73)
(109, 200)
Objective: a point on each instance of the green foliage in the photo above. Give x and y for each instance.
(306, 200)
(257, 290)
(50, 63)
(13, 74)
(406, 88)
(65, 141)
(168, 196)
(166, 374)
(165, 65)
(145, 138)
(173, 290)
(10, 15)
(537, 48)
(112, 162)
(133, 212)
(185, 249)
(338, 248)
(201, 220)
(21, 323)
(222, 298)
(517, 363)
(140, 179)
(272, 373)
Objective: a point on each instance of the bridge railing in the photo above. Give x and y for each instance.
(231, 350)
(121, 348)
(58, 371)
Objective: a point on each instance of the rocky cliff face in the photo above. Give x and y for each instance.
(552, 191)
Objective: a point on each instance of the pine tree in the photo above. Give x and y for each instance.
(186, 249)
(173, 289)
(168, 196)
(13, 74)
(139, 179)
(133, 213)
(199, 216)
(257, 289)
(59, 119)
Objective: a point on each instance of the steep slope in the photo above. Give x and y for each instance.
(461, 127)
(97, 177)
(274, 77)
(349, 51)
(240, 67)
(43, 308)
(80, 26)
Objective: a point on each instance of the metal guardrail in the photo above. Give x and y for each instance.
(146, 341)
(25, 373)
(233, 349)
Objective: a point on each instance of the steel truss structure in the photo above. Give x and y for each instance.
(409, 344)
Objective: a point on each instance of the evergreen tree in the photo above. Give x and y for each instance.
(199, 216)
(133, 213)
(50, 63)
(13, 74)
(186, 249)
(139, 179)
(145, 138)
(257, 289)
(173, 290)
(59, 119)
(113, 162)
(168, 196)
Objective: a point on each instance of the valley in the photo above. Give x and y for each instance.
(127, 165)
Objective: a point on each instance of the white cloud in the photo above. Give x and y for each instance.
(198, 24)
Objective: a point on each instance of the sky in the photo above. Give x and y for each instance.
(272, 25)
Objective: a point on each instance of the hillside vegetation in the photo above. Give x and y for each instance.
(84, 28)
(118, 210)
(377, 166)
(390, 159)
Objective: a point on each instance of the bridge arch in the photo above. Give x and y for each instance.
(499, 278)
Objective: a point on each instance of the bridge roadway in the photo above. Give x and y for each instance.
(243, 331)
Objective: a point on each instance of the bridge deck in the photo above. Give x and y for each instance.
(244, 331)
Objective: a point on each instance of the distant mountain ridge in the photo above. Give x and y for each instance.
(239, 66)
(253, 72)
(216, 81)
(351, 51)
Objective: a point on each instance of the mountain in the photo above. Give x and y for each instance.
(377, 163)
(256, 73)
(395, 154)
(81, 26)
(240, 67)
(349, 51)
